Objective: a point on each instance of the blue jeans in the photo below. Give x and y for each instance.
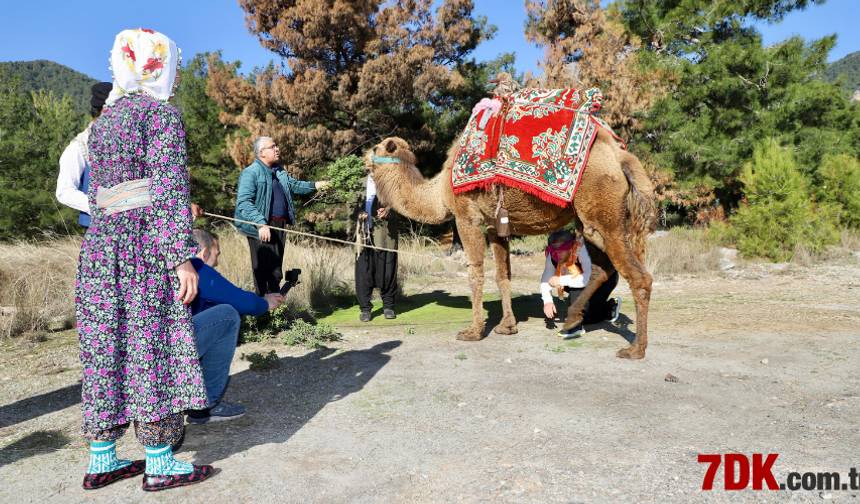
(217, 332)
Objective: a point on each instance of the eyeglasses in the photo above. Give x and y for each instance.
(273, 147)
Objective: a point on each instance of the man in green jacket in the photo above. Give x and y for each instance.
(265, 196)
(375, 268)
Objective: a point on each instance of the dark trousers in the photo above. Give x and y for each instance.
(375, 268)
(267, 259)
(598, 308)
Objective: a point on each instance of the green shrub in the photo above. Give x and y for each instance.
(779, 216)
(838, 188)
(344, 176)
(311, 336)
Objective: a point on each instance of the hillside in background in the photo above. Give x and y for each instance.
(50, 76)
(850, 66)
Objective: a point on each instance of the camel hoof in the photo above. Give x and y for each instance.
(506, 329)
(570, 325)
(631, 353)
(470, 335)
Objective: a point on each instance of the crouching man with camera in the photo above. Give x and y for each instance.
(216, 311)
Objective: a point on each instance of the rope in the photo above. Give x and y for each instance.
(318, 237)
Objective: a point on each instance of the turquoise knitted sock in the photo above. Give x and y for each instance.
(160, 461)
(103, 458)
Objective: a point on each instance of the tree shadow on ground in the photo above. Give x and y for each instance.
(282, 400)
(36, 406)
(33, 444)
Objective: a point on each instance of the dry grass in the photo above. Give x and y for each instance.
(37, 285)
(682, 250)
(432, 260)
(37, 278)
(327, 271)
(525, 244)
(850, 241)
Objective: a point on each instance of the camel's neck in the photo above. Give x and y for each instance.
(415, 197)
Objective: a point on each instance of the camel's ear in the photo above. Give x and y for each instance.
(390, 146)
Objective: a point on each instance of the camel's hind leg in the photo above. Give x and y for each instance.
(473, 245)
(628, 266)
(502, 255)
(601, 204)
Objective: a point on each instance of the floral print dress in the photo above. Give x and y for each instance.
(137, 343)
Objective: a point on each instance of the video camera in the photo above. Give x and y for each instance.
(291, 279)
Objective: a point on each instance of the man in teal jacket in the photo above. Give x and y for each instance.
(265, 196)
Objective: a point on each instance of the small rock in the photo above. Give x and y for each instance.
(658, 234)
(727, 253)
(725, 264)
(509, 361)
(764, 361)
(825, 495)
(671, 378)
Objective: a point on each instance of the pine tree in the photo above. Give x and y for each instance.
(356, 71)
(585, 47)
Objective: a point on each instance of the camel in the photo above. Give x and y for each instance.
(614, 189)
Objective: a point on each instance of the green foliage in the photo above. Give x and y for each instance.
(739, 93)
(34, 131)
(344, 176)
(780, 216)
(839, 188)
(410, 331)
(726, 92)
(460, 357)
(260, 361)
(311, 336)
(849, 66)
(691, 26)
(214, 176)
(49, 76)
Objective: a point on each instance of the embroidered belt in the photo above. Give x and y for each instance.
(124, 197)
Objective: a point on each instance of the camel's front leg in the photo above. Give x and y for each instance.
(574, 313)
(502, 254)
(473, 245)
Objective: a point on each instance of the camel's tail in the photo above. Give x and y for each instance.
(640, 203)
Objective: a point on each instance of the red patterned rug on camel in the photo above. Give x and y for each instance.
(536, 140)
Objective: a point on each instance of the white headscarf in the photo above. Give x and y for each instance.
(143, 61)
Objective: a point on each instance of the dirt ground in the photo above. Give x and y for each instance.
(399, 411)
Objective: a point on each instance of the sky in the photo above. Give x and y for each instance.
(80, 34)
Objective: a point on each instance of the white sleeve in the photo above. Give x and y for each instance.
(545, 289)
(579, 281)
(72, 167)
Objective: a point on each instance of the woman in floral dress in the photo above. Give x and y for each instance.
(136, 336)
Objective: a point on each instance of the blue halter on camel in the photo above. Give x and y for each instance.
(386, 160)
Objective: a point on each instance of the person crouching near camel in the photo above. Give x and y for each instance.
(567, 270)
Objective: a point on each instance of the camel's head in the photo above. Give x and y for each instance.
(386, 151)
(392, 163)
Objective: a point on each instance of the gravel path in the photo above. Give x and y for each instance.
(765, 361)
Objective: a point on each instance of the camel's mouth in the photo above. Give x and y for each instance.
(368, 159)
